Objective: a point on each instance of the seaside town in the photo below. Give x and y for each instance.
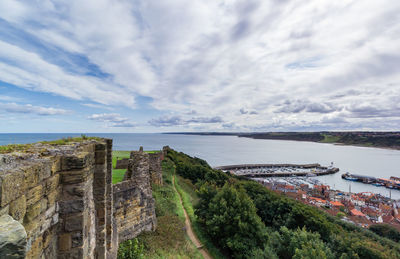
(363, 209)
(300, 182)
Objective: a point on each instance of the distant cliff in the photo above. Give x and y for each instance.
(357, 138)
(369, 139)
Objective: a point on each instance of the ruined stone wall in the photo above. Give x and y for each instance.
(155, 167)
(136, 190)
(61, 203)
(62, 197)
(122, 163)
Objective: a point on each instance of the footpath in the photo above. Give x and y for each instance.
(189, 230)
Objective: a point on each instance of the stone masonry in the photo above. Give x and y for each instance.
(61, 201)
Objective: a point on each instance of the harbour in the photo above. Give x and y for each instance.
(279, 170)
(392, 183)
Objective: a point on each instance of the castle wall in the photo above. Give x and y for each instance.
(63, 200)
(136, 190)
(155, 167)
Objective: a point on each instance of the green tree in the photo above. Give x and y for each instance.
(387, 231)
(299, 243)
(232, 222)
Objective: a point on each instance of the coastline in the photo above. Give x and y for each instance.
(244, 135)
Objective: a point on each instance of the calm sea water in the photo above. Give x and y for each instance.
(225, 150)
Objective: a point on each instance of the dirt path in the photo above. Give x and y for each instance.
(189, 230)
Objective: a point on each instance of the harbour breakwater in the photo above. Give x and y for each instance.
(58, 201)
(392, 183)
(278, 170)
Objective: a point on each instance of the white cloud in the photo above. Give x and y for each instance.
(114, 119)
(28, 108)
(228, 59)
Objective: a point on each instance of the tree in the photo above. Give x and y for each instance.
(299, 244)
(387, 231)
(232, 222)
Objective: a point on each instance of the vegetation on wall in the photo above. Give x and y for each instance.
(169, 240)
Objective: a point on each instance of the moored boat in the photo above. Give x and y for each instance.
(349, 177)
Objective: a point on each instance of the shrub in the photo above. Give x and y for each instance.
(130, 249)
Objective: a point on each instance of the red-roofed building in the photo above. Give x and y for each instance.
(317, 201)
(337, 204)
(357, 213)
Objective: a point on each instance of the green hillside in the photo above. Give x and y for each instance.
(242, 219)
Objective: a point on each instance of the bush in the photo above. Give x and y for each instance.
(386, 230)
(130, 249)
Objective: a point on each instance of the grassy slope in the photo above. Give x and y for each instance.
(169, 240)
(118, 174)
(330, 139)
(190, 199)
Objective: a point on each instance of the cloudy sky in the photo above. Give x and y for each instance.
(199, 65)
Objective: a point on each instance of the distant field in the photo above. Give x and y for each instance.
(118, 174)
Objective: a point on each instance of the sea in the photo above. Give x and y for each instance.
(227, 150)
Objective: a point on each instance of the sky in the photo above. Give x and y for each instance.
(199, 65)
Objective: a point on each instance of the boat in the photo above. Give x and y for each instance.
(349, 177)
(378, 184)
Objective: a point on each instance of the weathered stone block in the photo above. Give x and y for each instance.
(73, 177)
(78, 161)
(70, 207)
(44, 170)
(51, 251)
(33, 211)
(12, 185)
(51, 183)
(64, 242)
(48, 235)
(77, 239)
(73, 191)
(18, 208)
(56, 164)
(12, 238)
(100, 157)
(74, 223)
(50, 212)
(31, 175)
(34, 195)
(32, 228)
(36, 248)
(43, 205)
(76, 253)
(52, 197)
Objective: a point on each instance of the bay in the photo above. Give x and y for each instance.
(226, 150)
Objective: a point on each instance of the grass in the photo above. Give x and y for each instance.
(118, 174)
(63, 141)
(330, 139)
(14, 147)
(169, 240)
(189, 200)
(152, 151)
